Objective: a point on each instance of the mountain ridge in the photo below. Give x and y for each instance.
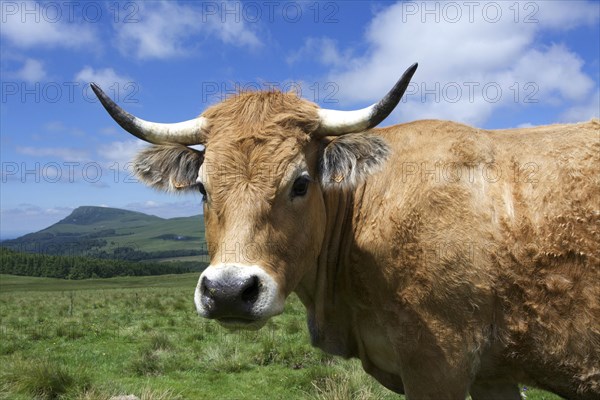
(84, 215)
(106, 232)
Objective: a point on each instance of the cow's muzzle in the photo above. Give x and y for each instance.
(237, 296)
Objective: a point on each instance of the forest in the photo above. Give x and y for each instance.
(77, 267)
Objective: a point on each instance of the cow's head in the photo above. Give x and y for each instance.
(268, 159)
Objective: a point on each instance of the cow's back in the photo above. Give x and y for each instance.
(496, 231)
(550, 267)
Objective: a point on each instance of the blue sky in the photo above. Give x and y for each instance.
(488, 64)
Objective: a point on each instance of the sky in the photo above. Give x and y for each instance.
(488, 64)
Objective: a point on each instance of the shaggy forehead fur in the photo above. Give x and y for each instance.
(252, 139)
(261, 116)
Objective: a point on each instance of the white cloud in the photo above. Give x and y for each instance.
(168, 29)
(525, 125)
(61, 153)
(464, 60)
(25, 217)
(564, 15)
(168, 209)
(325, 49)
(106, 77)
(58, 127)
(110, 131)
(32, 71)
(32, 209)
(557, 71)
(121, 152)
(36, 29)
(584, 111)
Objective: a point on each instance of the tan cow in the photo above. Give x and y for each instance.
(450, 260)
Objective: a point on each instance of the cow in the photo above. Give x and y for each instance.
(450, 260)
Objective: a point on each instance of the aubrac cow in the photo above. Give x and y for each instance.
(449, 259)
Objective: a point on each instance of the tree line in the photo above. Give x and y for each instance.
(76, 267)
(90, 246)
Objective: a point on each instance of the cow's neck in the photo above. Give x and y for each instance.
(328, 316)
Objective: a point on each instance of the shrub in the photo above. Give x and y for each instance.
(145, 327)
(69, 331)
(225, 357)
(146, 363)
(155, 303)
(10, 346)
(151, 394)
(348, 383)
(44, 379)
(160, 341)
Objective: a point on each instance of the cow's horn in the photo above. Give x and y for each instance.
(187, 132)
(335, 123)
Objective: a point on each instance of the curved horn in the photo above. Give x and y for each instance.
(187, 132)
(336, 123)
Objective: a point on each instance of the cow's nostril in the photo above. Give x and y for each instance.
(251, 291)
(206, 288)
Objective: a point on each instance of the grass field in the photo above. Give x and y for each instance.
(93, 339)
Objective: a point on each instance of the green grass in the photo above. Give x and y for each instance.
(44, 379)
(97, 338)
(144, 237)
(11, 283)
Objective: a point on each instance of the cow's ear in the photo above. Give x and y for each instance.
(348, 160)
(172, 168)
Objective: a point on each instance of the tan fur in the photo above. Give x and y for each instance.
(512, 291)
(469, 263)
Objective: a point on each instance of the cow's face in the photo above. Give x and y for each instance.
(263, 175)
(268, 162)
(265, 218)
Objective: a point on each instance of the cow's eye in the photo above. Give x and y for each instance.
(201, 189)
(300, 186)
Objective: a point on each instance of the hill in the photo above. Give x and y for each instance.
(104, 232)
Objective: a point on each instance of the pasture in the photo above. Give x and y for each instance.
(97, 338)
